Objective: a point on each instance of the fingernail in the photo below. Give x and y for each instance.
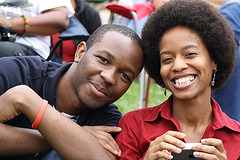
(182, 144)
(170, 157)
(179, 150)
(196, 154)
(183, 134)
(203, 140)
(119, 128)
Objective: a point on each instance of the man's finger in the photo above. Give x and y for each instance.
(108, 129)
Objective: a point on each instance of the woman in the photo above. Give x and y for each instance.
(190, 50)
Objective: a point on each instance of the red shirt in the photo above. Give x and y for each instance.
(142, 126)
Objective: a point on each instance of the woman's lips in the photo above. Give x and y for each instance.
(182, 82)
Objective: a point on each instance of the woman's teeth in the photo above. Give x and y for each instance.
(184, 80)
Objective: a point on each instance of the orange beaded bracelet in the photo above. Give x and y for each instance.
(40, 114)
(26, 25)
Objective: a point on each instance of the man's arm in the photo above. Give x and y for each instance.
(69, 139)
(13, 141)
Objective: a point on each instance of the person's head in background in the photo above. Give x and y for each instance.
(205, 22)
(215, 3)
(158, 3)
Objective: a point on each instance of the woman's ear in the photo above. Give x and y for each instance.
(81, 49)
(214, 66)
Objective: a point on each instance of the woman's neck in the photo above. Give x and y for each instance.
(193, 116)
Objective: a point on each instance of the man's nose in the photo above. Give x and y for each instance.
(109, 76)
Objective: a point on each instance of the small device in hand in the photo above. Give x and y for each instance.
(186, 154)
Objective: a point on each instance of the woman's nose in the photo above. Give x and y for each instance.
(179, 64)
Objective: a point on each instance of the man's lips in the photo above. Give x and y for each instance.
(99, 89)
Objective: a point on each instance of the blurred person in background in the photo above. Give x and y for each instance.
(33, 21)
(89, 17)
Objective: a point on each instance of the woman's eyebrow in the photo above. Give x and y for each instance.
(184, 48)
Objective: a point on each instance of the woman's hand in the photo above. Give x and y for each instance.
(211, 148)
(162, 146)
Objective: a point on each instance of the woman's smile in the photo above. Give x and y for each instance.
(183, 82)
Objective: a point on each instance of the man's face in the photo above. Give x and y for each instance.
(107, 69)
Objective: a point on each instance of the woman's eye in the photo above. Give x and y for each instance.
(166, 60)
(191, 54)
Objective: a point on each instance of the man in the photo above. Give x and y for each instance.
(103, 70)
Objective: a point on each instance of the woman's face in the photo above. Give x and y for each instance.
(186, 67)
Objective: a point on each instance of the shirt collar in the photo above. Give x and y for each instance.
(164, 109)
(219, 121)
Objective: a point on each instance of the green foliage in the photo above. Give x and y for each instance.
(130, 100)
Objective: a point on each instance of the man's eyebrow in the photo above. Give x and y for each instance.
(112, 56)
(130, 70)
(108, 54)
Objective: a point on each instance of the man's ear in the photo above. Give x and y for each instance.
(81, 49)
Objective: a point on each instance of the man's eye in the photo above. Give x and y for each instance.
(103, 60)
(124, 76)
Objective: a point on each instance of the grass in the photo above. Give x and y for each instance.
(130, 100)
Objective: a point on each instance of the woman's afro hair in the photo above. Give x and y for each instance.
(200, 17)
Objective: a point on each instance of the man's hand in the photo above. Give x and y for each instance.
(8, 108)
(102, 133)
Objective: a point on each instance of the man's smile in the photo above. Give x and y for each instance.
(98, 89)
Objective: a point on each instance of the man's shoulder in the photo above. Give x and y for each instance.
(110, 109)
(108, 115)
(27, 63)
(21, 60)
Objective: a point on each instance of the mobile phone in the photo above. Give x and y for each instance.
(186, 154)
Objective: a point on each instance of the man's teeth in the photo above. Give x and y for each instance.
(184, 80)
